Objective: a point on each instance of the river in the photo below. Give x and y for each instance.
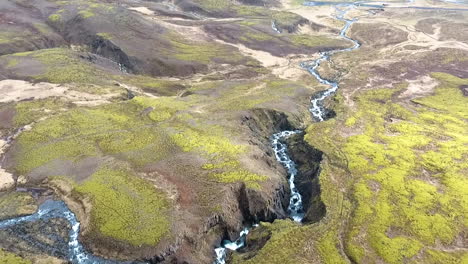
(295, 208)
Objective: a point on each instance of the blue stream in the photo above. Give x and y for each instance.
(58, 209)
(295, 208)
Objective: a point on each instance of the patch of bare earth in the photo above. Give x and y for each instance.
(420, 87)
(18, 90)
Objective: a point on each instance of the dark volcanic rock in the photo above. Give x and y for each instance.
(308, 161)
(36, 238)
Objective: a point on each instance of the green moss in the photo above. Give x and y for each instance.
(64, 66)
(435, 257)
(86, 14)
(404, 172)
(216, 5)
(253, 94)
(10, 258)
(55, 18)
(126, 207)
(285, 245)
(117, 129)
(164, 107)
(28, 112)
(190, 139)
(328, 247)
(251, 179)
(155, 86)
(105, 35)
(203, 52)
(286, 19)
(313, 41)
(255, 36)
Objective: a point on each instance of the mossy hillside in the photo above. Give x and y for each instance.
(15, 38)
(283, 18)
(409, 196)
(253, 34)
(10, 258)
(61, 66)
(126, 207)
(86, 9)
(155, 86)
(222, 154)
(28, 112)
(286, 244)
(402, 212)
(117, 129)
(64, 66)
(139, 131)
(254, 94)
(314, 41)
(204, 52)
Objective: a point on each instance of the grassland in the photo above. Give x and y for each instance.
(125, 207)
(404, 165)
(9, 258)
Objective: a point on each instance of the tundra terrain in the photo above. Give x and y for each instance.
(140, 131)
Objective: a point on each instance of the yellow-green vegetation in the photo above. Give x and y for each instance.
(218, 5)
(126, 207)
(105, 35)
(55, 18)
(118, 129)
(7, 37)
(248, 95)
(213, 143)
(163, 108)
(404, 167)
(153, 85)
(86, 14)
(286, 19)
(13, 204)
(10, 258)
(31, 111)
(285, 245)
(314, 41)
(63, 66)
(409, 188)
(203, 52)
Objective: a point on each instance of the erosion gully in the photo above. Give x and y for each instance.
(317, 109)
(78, 255)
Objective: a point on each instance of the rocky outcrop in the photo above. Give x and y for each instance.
(308, 161)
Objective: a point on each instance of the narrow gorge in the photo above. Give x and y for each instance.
(296, 210)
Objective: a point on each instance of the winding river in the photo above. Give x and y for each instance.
(317, 109)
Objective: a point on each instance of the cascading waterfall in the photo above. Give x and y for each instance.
(229, 245)
(295, 208)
